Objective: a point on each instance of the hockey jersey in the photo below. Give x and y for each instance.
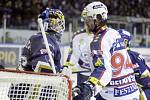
(113, 66)
(142, 72)
(35, 51)
(80, 55)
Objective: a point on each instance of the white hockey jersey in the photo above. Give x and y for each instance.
(113, 66)
(80, 54)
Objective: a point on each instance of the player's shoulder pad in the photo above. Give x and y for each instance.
(36, 34)
(78, 32)
(111, 30)
(111, 33)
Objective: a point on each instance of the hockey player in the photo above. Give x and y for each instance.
(113, 67)
(34, 55)
(79, 57)
(141, 69)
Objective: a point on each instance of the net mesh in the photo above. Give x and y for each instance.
(25, 86)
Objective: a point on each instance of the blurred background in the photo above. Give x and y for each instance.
(18, 21)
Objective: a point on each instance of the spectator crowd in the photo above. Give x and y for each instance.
(23, 13)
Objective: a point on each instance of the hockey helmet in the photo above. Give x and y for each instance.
(53, 19)
(95, 10)
(94, 14)
(126, 36)
(56, 21)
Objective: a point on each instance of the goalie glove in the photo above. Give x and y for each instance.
(45, 14)
(45, 17)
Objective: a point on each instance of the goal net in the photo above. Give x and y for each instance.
(22, 85)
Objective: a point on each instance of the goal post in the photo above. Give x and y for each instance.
(24, 85)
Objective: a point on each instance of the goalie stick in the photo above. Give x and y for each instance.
(40, 21)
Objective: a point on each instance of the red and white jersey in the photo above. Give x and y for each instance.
(113, 66)
(80, 55)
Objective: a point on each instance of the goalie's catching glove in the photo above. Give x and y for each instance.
(45, 14)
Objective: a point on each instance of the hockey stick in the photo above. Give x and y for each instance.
(80, 72)
(46, 45)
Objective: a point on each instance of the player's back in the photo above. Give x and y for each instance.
(35, 50)
(122, 85)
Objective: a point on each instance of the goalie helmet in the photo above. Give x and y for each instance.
(56, 21)
(53, 19)
(96, 10)
(126, 36)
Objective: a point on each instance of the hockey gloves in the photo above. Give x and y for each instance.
(87, 89)
(83, 91)
(45, 14)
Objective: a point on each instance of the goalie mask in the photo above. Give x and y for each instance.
(55, 21)
(94, 14)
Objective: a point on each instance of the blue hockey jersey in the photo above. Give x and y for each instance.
(141, 71)
(35, 51)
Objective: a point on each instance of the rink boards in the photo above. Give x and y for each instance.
(10, 54)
